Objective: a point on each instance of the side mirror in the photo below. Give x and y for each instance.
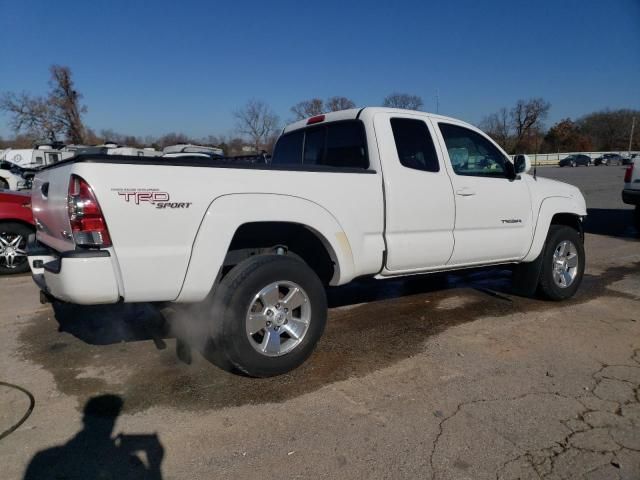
(522, 163)
(510, 170)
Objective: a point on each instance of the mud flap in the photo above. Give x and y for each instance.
(526, 277)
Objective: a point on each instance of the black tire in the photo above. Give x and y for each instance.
(547, 286)
(636, 218)
(573, 164)
(4, 185)
(232, 299)
(9, 230)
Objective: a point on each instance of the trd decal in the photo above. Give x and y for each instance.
(151, 196)
(140, 197)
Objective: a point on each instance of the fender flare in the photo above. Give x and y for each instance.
(227, 213)
(549, 207)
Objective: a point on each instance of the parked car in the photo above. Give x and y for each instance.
(631, 190)
(575, 160)
(609, 159)
(16, 224)
(358, 193)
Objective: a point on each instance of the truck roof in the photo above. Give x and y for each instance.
(354, 113)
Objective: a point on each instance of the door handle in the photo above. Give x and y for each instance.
(465, 192)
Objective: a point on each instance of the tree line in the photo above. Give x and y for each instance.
(519, 129)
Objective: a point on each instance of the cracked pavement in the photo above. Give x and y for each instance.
(420, 378)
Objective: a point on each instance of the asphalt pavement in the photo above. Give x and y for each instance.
(447, 377)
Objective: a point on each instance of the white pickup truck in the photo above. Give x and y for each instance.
(371, 192)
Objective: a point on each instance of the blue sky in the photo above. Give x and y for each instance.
(155, 67)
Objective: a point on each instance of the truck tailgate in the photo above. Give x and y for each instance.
(49, 201)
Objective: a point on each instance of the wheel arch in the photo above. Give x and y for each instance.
(18, 220)
(555, 211)
(229, 225)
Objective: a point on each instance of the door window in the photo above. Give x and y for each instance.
(471, 153)
(414, 144)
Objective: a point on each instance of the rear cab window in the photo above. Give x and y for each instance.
(339, 144)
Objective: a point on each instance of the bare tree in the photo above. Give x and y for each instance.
(40, 117)
(65, 101)
(498, 126)
(334, 104)
(257, 121)
(308, 108)
(30, 115)
(527, 117)
(403, 100)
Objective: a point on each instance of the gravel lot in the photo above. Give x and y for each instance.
(418, 378)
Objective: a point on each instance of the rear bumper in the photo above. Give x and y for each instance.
(85, 277)
(631, 197)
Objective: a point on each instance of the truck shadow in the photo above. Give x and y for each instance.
(371, 326)
(613, 222)
(109, 324)
(135, 322)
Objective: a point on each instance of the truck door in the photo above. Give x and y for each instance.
(493, 213)
(419, 203)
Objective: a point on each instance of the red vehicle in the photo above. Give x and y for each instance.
(16, 224)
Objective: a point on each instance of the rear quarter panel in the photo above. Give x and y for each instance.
(153, 246)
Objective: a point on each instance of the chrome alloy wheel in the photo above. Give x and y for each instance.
(565, 264)
(12, 250)
(278, 318)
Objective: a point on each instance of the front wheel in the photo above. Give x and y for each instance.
(267, 314)
(636, 218)
(563, 263)
(573, 164)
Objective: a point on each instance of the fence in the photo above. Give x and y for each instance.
(554, 158)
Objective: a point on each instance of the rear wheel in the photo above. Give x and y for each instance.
(573, 163)
(636, 217)
(267, 314)
(13, 244)
(563, 263)
(4, 185)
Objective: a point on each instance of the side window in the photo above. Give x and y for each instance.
(288, 150)
(471, 153)
(414, 144)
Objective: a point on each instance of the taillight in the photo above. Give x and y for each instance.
(85, 216)
(628, 174)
